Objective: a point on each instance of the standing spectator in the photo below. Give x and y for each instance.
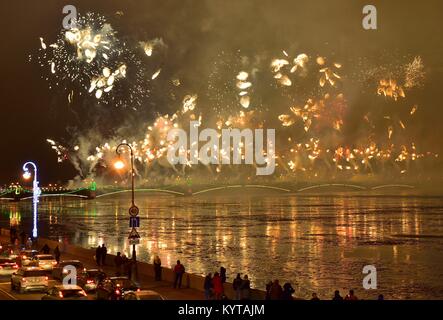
(29, 244)
(268, 290)
(223, 274)
(288, 290)
(13, 234)
(57, 254)
(207, 286)
(276, 291)
(380, 297)
(236, 285)
(337, 296)
(123, 265)
(245, 288)
(314, 297)
(118, 264)
(217, 285)
(104, 253)
(351, 296)
(23, 238)
(45, 249)
(179, 270)
(158, 268)
(98, 255)
(127, 266)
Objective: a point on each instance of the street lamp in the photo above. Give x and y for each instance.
(35, 193)
(134, 237)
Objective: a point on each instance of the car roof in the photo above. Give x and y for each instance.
(68, 287)
(44, 255)
(148, 293)
(119, 278)
(6, 259)
(70, 261)
(32, 269)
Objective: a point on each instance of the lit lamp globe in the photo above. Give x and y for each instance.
(119, 165)
(26, 175)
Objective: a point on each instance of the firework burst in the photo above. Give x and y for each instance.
(91, 60)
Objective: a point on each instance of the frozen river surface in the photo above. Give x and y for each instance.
(319, 243)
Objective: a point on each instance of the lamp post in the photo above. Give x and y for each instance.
(134, 237)
(35, 193)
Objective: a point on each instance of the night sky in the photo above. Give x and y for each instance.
(195, 32)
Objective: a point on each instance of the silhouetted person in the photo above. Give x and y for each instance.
(118, 264)
(276, 291)
(245, 288)
(223, 274)
(158, 268)
(207, 286)
(57, 254)
(98, 255)
(45, 249)
(288, 290)
(351, 296)
(236, 285)
(217, 286)
(380, 297)
(104, 254)
(337, 296)
(29, 244)
(127, 266)
(314, 297)
(23, 237)
(179, 270)
(13, 234)
(268, 290)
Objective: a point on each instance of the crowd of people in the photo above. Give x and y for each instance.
(123, 265)
(214, 286)
(215, 290)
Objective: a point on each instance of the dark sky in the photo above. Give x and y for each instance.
(195, 31)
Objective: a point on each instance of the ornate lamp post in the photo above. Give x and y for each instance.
(35, 194)
(134, 237)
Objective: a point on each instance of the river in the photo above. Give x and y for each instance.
(318, 242)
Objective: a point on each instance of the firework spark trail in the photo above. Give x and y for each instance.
(80, 57)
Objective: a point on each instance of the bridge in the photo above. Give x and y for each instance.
(91, 192)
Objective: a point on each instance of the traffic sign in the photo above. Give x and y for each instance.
(134, 234)
(134, 241)
(133, 211)
(134, 222)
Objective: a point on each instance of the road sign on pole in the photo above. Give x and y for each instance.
(134, 222)
(134, 234)
(134, 241)
(133, 211)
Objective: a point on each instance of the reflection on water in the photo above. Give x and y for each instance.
(318, 242)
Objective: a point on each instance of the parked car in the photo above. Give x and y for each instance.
(65, 292)
(45, 261)
(89, 279)
(142, 295)
(25, 258)
(29, 279)
(59, 270)
(113, 288)
(7, 266)
(8, 251)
